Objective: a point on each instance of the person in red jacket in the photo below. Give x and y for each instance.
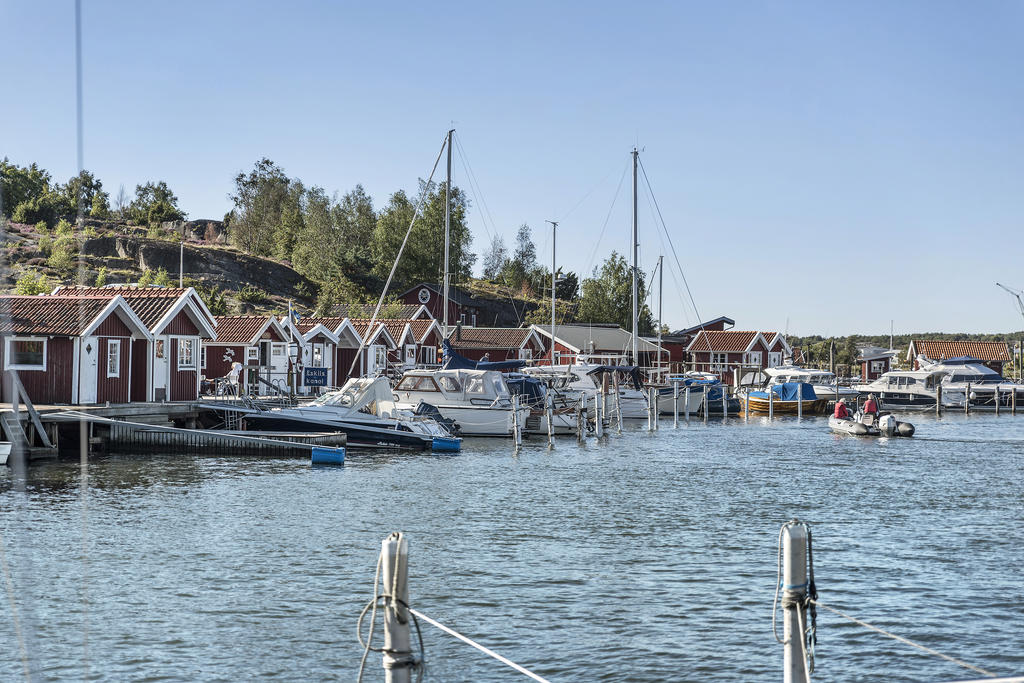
(871, 405)
(842, 412)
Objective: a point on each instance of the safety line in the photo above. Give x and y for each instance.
(478, 646)
(904, 640)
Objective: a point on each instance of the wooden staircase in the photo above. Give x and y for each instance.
(25, 445)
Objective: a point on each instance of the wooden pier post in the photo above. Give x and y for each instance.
(967, 400)
(652, 409)
(706, 402)
(725, 400)
(598, 417)
(938, 400)
(794, 592)
(771, 404)
(800, 401)
(579, 420)
(398, 657)
(686, 405)
(1013, 401)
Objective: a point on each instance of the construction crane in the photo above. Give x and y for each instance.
(1017, 293)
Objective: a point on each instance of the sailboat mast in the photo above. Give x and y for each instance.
(661, 285)
(447, 232)
(554, 231)
(636, 246)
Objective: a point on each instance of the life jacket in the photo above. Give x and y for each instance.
(870, 406)
(841, 411)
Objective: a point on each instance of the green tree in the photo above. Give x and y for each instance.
(214, 299)
(85, 191)
(146, 279)
(101, 277)
(163, 278)
(154, 203)
(31, 282)
(424, 251)
(260, 197)
(28, 195)
(518, 270)
(63, 255)
(608, 296)
(495, 258)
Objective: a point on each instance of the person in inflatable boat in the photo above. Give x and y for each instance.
(871, 406)
(842, 412)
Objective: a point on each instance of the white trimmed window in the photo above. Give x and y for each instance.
(186, 354)
(430, 355)
(878, 366)
(202, 357)
(318, 355)
(252, 353)
(25, 353)
(113, 358)
(752, 358)
(525, 354)
(719, 358)
(410, 354)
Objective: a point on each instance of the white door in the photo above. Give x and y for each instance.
(774, 359)
(161, 365)
(90, 370)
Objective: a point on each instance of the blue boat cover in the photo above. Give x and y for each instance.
(530, 388)
(455, 361)
(791, 391)
(630, 371)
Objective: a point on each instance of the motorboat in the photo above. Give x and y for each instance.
(702, 386)
(364, 409)
(535, 394)
(912, 390)
(825, 384)
(868, 424)
(478, 401)
(790, 398)
(592, 380)
(967, 375)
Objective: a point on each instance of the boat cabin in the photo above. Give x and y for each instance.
(471, 387)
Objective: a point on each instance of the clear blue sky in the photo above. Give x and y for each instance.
(834, 165)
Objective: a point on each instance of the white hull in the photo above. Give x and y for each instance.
(482, 421)
(666, 403)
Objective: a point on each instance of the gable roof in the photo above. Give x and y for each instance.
(362, 328)
(493, 338)
(938, 350)
(725, 341)
(771, 337)
(64, 315)
(246, 329)
(595, 338)
(421, 328)
(700, 326)
(155, 306)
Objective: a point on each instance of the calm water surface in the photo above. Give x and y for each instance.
(646, 557)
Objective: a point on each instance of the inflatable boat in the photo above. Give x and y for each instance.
(885, 424)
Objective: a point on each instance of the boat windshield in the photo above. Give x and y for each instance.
(343, 397)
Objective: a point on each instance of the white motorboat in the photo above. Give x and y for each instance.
(885, 424)
(911, 390)
(592, 380)
(825, 384)
(966, 374)
(478, 401)
(365, 411)
(701, 385)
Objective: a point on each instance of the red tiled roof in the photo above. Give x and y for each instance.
(982, 350)
(394, 327)
(491, 338)
(239, 329)
(151, 304)
(722, 341)
(331, 323)
(420, 327)
(59, 315)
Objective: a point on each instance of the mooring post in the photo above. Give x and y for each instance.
(686, 404)
(598, 417)
(997, 398)
(794, 593)
(579, 420)
(706, 403)
(652, 403)
(1013, 401)
(675, 404)
(938, 400)
(725, 400)
(398, 657)
(771, 404)
(967, 400)
(800, 401)
(618, 403)
(517, 429)
(549, 413)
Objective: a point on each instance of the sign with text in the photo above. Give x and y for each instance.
(314, 377)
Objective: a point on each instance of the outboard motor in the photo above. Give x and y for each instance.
(887, 425)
